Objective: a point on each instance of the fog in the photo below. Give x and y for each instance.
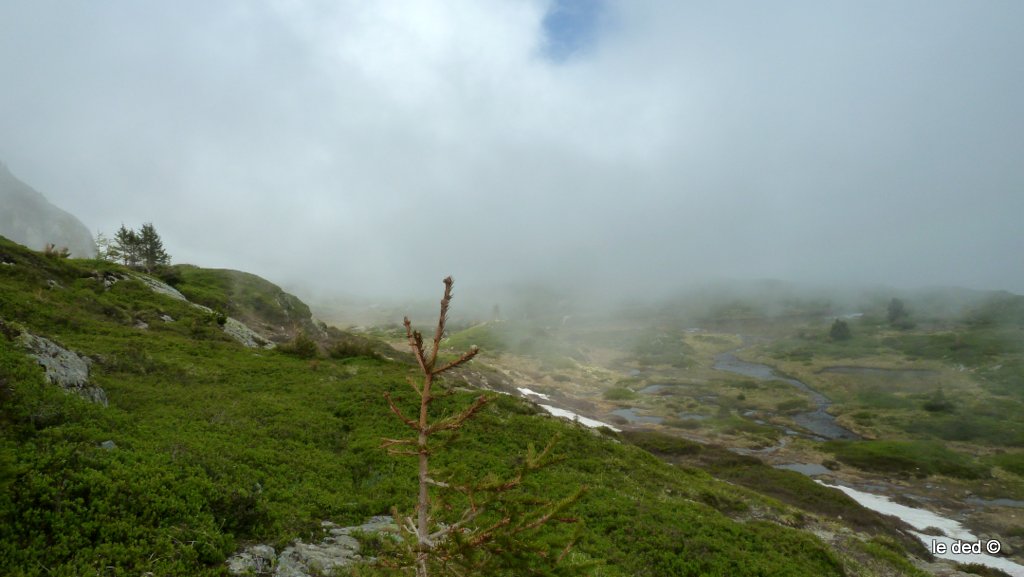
(624, 148)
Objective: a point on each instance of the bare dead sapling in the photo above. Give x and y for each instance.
(470, 528)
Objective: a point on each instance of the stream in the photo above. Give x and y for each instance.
(823, 426)
(818, 421)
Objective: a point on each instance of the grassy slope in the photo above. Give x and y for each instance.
(218, 445)
(242, 295)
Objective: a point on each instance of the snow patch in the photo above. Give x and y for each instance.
(592, 423)
(921, 519)
(527, 391)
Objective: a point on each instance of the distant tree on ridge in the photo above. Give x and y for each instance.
(151, 248)
(142, 249)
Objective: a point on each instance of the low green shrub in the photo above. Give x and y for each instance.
(620, 394)
(889, 551)
(301, 346)
(348, 349)
(911, 458)
(660, 443)
(1012, 462)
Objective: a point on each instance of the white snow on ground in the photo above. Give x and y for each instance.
(921, 519)
(526, 391)
(593, 424)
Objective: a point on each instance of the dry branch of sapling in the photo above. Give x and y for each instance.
(457, 546)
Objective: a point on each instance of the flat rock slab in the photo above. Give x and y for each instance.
(338, 549)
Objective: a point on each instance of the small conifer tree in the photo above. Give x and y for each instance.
(141, 249)
(106, 248)
(126, 245)
(151, 248)
(51, 251)
(840, 331)
(896, 311)
(493, 535)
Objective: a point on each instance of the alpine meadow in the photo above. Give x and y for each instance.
(512, 288)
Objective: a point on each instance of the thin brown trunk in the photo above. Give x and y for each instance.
(423, 503)
(424, 543)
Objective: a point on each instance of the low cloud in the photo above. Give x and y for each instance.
(374, 148)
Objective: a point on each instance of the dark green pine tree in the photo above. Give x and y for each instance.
(151, 248)
(840, 331)
(126, 246)
(106, 249)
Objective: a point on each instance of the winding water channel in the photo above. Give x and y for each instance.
(818, 421)
(823, 425)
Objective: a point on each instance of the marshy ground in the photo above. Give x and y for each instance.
(934, 412)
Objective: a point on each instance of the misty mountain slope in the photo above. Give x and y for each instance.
(28, 218)
(213, 445)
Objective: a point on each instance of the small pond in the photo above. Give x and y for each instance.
(654, 389)
(994, 502)
(818, 421)
(632, 416)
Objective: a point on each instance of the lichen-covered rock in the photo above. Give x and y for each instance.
(65, 368)
(160, 287)
(108, 278)
(338, 549)
(242, 333)
(255, 560)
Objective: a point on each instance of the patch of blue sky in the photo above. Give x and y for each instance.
(570, 28)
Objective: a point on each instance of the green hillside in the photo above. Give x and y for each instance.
(216, 446)
(247, 297)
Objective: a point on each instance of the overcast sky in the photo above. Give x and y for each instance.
(374, 147)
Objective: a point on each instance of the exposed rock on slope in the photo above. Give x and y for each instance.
(242, 333)
(338, 549)
(161, 287)
(233, 327)
(29, 219)
(65, 368)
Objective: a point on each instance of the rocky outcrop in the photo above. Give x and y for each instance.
(234, 328)
(29, 219)
(255, 560)
(239, 331)
(338, 549)
(160, 287)
(63, 367)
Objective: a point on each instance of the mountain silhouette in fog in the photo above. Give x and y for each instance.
(30, 219)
